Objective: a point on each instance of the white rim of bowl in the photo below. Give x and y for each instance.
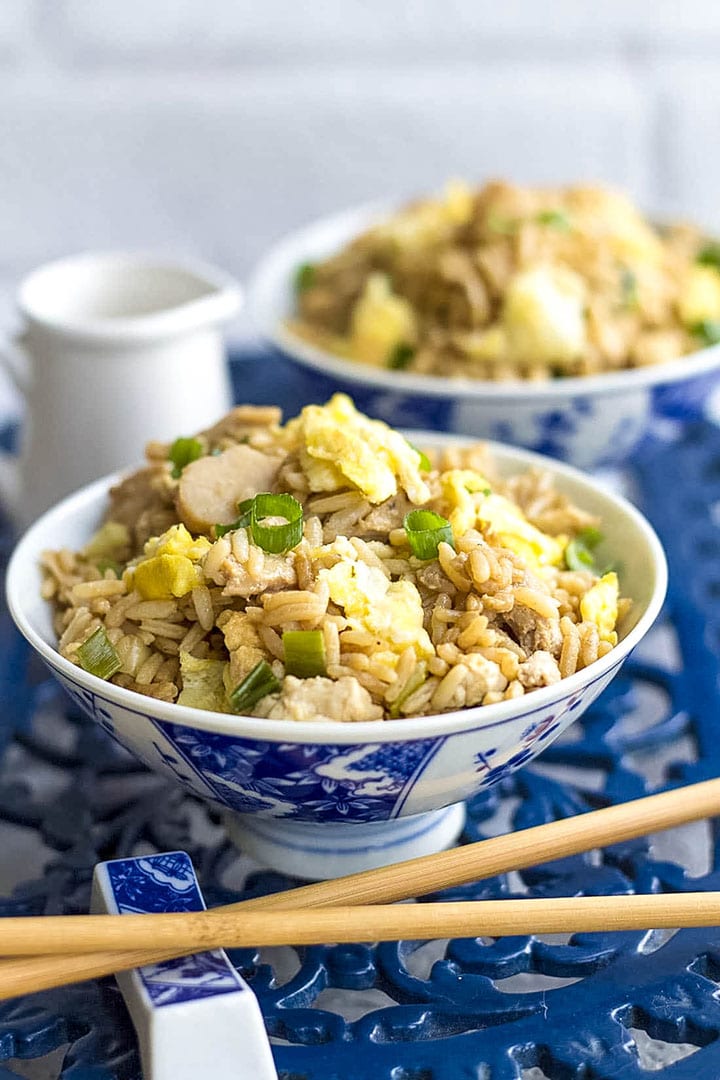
(338, 731)
(273, 274)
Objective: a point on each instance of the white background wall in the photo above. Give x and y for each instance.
(213, 126)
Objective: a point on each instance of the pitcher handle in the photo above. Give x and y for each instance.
(14, 360)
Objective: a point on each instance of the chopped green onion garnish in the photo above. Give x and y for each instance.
(400, 356)
(304, 653)
(590, 536)
(182, 452)
(709, 256)
(579, 552)
(578, 557)
(242, 522)
(497, 223)
(556, 219)
(97, 655)
(424, 464)
(305, 276)
(109, 564)
(708, 331)
(414, 683)
(426, 530)
(629, 288)
(257, 684)
(280, 538)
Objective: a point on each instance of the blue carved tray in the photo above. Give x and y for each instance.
(600, 1006)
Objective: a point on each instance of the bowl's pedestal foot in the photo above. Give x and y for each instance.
(320, 850)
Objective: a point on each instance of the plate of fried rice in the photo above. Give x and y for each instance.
(332, 569)
(505, 282)
(560, 319)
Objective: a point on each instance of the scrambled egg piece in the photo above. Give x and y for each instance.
(611, 217)
(699, 299)
(380, 321)
(483, 345)
(544, 315)
(424, 223)
(464, 490)
(515, 532)
(600, 606)
(340, 446)
(473, 503)
(389, 610)
(169, 567)
(458, 201)
(177, 540)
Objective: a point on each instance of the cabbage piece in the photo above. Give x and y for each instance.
(109, 540)
(203, 685)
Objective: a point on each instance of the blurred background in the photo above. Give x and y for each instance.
(211, 127)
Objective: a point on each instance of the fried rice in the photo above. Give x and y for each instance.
(205, 586)
(506, 282)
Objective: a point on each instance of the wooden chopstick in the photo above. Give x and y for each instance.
(199, 930)
(416, 877)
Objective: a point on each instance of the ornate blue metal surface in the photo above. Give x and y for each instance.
(587, 1007)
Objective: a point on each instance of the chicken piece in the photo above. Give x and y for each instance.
(534, 632)
(142, 502)
(540, 669)
(211, 487)
(268, 574)
(384, 518)
(483, 675)
(319, 699)
(242, 642)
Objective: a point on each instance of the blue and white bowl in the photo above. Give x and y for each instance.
(591, 422)
(322, 799)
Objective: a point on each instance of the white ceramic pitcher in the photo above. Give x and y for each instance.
(116, 349)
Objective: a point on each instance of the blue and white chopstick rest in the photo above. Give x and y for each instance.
(194, 1016)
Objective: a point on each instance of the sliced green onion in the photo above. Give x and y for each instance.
(304, 653)
(556, 219)
(424, 464)
(426, 530)
(276, 539)
(578, 557)
(708, 331)
(98, 656)
(400, 356)
(305, 276)
(498, 223)
(629, 288)
(590, 536)
(182, 452)
(709, 256)
(242, 522)
(109, 564)
(414, 683)
(257, 684)
(579, 552)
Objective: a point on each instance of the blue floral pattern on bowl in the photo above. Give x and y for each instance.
(337, 782)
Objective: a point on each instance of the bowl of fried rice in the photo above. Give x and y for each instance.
(335, 631)
(558, 319)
